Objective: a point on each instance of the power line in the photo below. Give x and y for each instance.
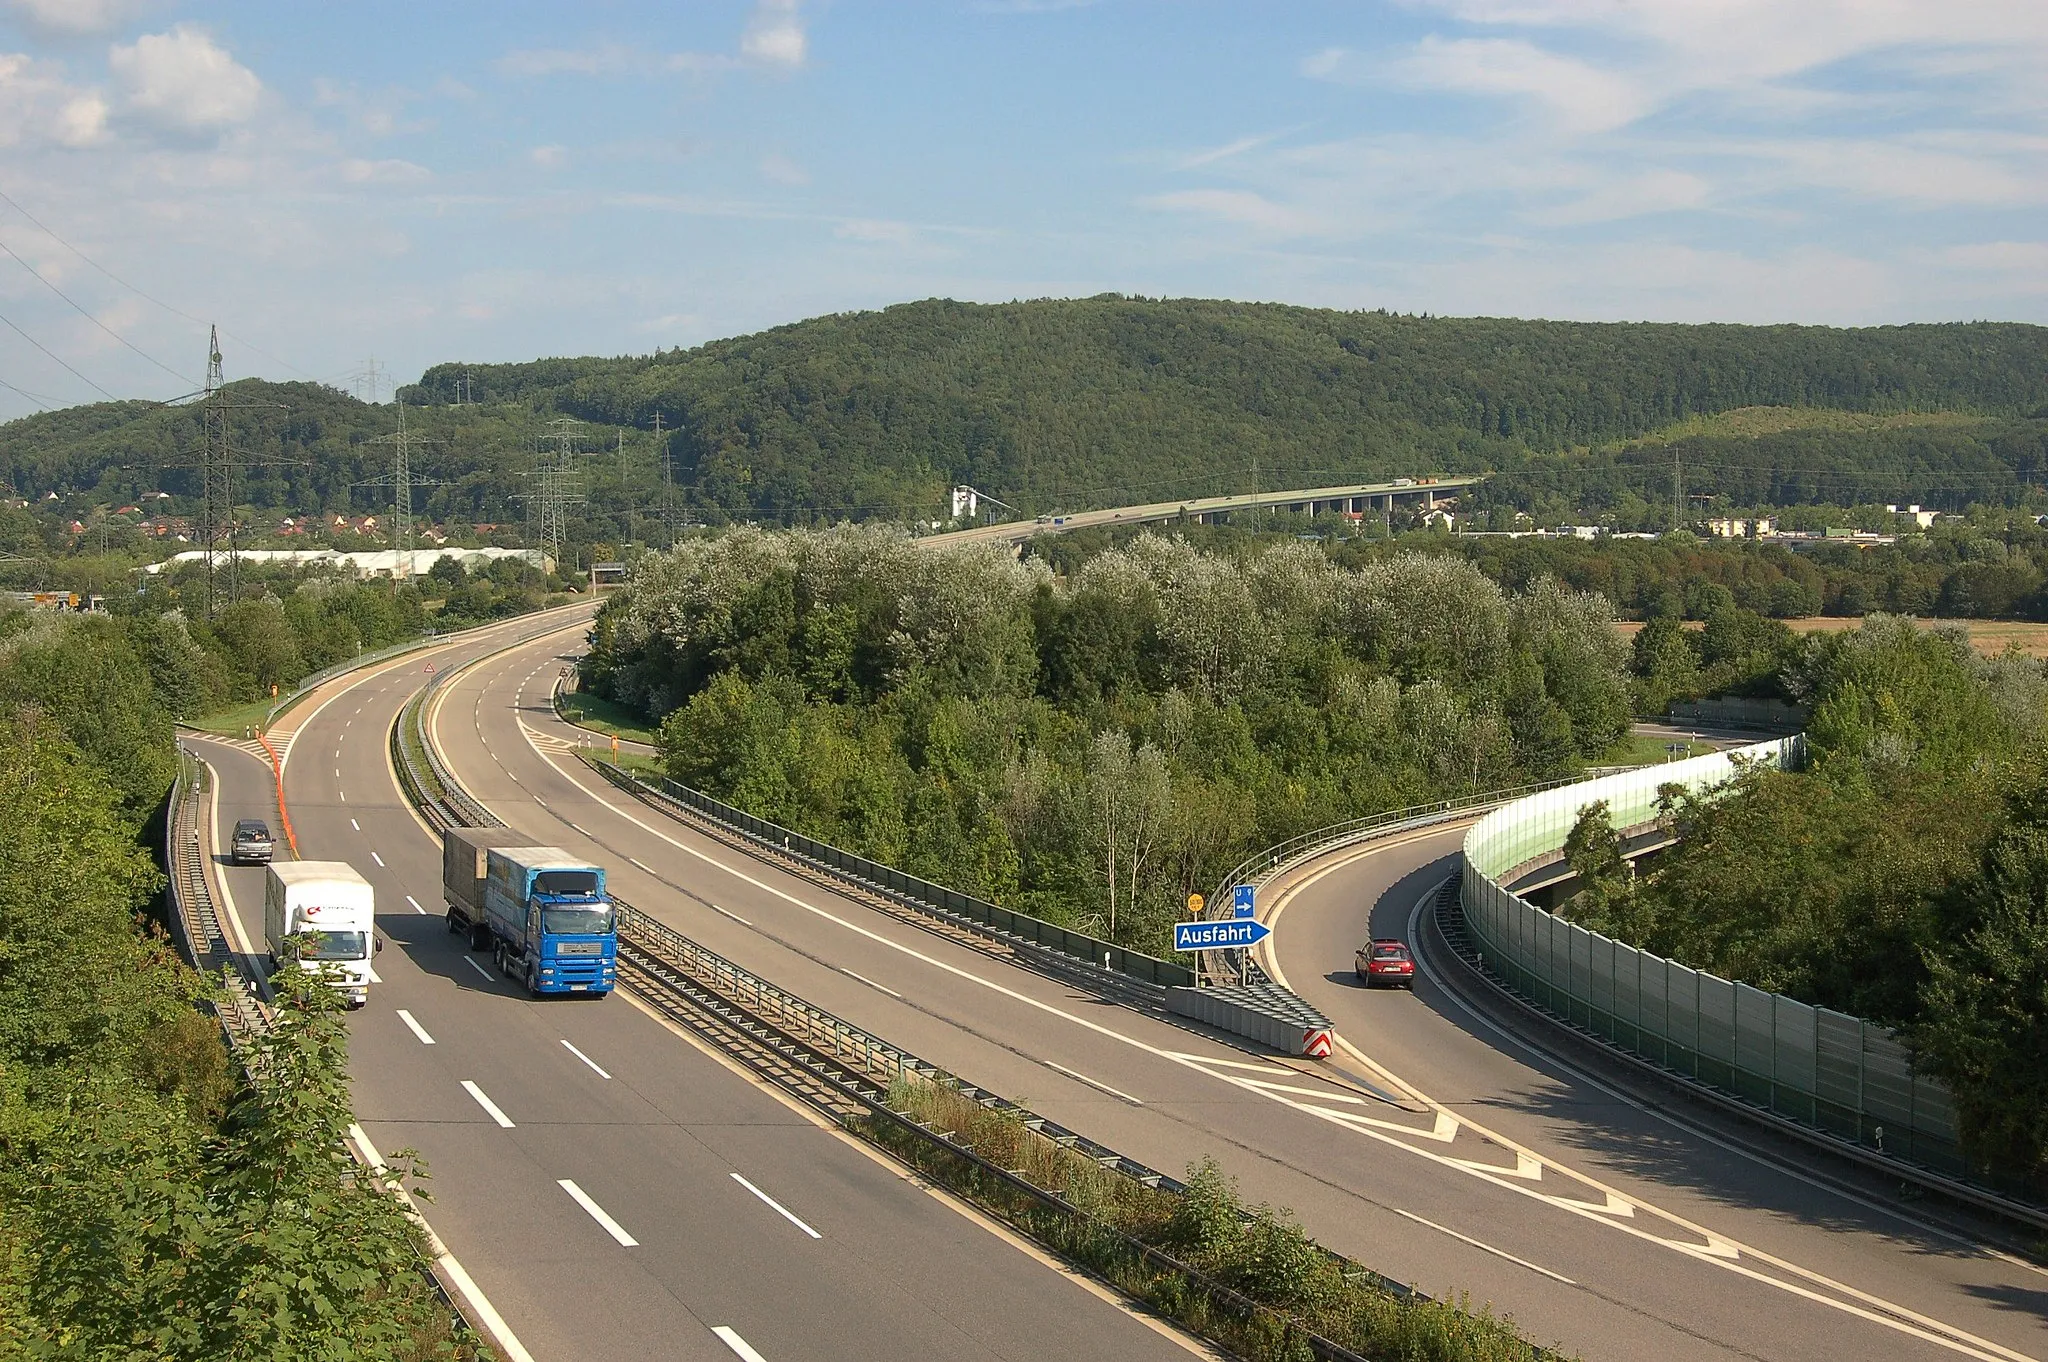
(60, 359)
(42, 403)
(145, 296)
(89, 317)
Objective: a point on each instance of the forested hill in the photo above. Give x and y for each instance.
(1064, 404)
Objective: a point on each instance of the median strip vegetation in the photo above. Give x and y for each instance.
(1246, 1278)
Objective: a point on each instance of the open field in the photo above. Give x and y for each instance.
(1990, 636)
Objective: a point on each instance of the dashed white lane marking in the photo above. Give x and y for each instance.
(375, 977)
(415, 1027)
(491, 1108)
(501, 1333)
(734, 916)
(1715, 1250)
(337, 770)
(1094, 1083)
(586, 1059)
(1485, 1248)
(415, 904)
(475, 966)
(378, 859)
(741, 1348)
(611, 1226)
(864, 979)
(357, 826)
(542, 802)
(643, 865)
(776, 1206)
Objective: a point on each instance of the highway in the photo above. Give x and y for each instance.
(613, 1189)
(1436, 1150)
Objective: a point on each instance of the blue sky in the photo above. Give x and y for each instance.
(493, 181)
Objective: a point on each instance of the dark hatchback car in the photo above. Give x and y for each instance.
(1386, 961)
(251, 843)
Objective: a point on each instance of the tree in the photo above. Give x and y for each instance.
(1984, 1011)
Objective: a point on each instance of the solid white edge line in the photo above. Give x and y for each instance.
(741, 1348)
(611, 1226)
(871, 983)
(415, 1027)
(1485, 1248)
(1093, 1082)
(480, 1305)
(586, 1059)
(475, 966)
(776, 1206)
(491, 1108)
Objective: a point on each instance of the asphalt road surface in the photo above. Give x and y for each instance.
(614, 1190)
(1435, 1149)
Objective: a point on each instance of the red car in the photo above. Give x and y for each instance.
(1386, 961)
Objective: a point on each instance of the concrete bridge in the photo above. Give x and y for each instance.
(1354, 498)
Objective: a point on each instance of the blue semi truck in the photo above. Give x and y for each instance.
(542, 913)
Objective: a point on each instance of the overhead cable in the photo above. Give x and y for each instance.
(83, 312)
(59, 358)
(140, 293)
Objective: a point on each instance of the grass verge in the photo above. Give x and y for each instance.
(232, 721)
(1645, 749)
(603, 716)
(1248, 1279)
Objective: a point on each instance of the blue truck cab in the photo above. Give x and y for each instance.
(543, 913)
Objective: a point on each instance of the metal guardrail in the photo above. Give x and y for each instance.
(921, 894)
(241, 1013)
(859, 1066)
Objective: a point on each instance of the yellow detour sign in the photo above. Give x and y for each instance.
(1194, 905)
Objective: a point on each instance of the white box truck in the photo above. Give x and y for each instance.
(323, 914)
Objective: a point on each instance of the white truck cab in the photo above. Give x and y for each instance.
(323, 914)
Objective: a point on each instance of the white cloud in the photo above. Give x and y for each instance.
(1627, 196)
(71, 18)
(779, 168)
(359, 171)
(549, 157)
(876, 230)
(1243, 208)
(775, 37)
(2017, 256)
(1581, 96)
(39, 105)
(604, 59)
(184, 81)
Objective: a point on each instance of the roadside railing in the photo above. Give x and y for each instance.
(1814, 1066)
(909, 889)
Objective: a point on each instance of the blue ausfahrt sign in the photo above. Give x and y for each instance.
(1222, 935)
(1244, 901)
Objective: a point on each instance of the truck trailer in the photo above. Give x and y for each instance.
(324, 915)
(542, 913)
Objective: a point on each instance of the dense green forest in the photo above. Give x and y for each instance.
(1903, 877)
(1092, 747)
(1060, 404)
(282, 625)
(155, 1201)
